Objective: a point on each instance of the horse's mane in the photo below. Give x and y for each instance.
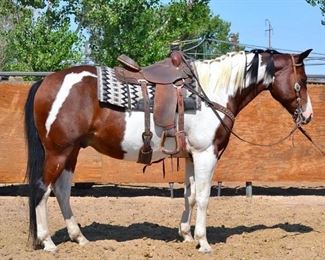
(224, 72)
(230, 71)
(252, 70)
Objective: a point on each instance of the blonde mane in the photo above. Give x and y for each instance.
(225, 74)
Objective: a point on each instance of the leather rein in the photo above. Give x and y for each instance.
(215, 107)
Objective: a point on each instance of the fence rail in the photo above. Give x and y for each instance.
(4, 75)
(24, 73)
(317, 79)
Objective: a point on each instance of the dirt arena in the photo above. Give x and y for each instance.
(141, 223)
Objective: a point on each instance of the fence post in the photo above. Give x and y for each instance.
(219, 188)
(249, 189)
(171, 188)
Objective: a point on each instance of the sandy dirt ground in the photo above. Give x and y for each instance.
(142, 227)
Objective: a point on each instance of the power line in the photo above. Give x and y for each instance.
(315, 59)
(244, 45)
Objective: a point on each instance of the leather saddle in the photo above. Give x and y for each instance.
(168, 77)
(164, 72)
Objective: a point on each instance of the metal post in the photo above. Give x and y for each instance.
(219, 188)
(25, 73)
(249, 189)
(269, 30)
(171, 188)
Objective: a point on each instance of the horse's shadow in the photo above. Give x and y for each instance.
(97, 231)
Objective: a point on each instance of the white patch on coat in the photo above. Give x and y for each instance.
(69, 81)
(308, 108)
(132, 141)
(200, 129)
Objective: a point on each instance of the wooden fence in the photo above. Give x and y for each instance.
(263, 121)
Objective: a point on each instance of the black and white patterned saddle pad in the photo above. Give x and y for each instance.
(129, 96)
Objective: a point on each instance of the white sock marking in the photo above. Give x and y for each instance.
(43, 233)
(69, 81)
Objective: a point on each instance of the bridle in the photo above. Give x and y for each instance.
(298, 116)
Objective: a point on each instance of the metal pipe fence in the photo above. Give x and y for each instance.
(4, 75)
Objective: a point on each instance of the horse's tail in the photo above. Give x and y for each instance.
(35, 162)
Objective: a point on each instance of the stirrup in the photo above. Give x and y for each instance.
(178, 140)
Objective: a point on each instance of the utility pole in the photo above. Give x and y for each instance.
(269, 30)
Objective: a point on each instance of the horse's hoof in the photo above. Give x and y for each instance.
(203, 246)
(48, 245)
(206, 249)
(50, 248)
(82, 241)
(186, 235)
(187, 238)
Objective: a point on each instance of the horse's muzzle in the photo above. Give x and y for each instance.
(307, 120)
(300, 119)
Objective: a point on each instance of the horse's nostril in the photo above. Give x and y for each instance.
(308, 119)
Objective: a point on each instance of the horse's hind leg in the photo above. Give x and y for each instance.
(189, 197)
(62, 191)
(53, 166)
(43, 235)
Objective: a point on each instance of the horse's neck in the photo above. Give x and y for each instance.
(242, 99)
(252, 89)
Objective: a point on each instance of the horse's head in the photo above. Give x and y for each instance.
(289, 86)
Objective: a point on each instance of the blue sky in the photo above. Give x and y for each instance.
(296, 25)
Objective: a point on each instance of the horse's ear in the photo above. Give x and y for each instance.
(304, 55)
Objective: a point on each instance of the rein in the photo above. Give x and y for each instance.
(304, 132)
(299, 119)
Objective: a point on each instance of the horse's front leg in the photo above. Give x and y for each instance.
(189, 197)
(204, 165)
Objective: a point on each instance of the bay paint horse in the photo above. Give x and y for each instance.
(63, 115)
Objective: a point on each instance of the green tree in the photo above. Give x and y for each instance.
(36, 46)
(143, 29)
(321, 5)
(10, 16)
(39, 39)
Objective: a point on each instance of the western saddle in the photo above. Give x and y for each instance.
(168, 76)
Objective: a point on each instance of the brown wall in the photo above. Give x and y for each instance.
(263, 121)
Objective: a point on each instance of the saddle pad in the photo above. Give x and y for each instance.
(111, 90)
(129, 96)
